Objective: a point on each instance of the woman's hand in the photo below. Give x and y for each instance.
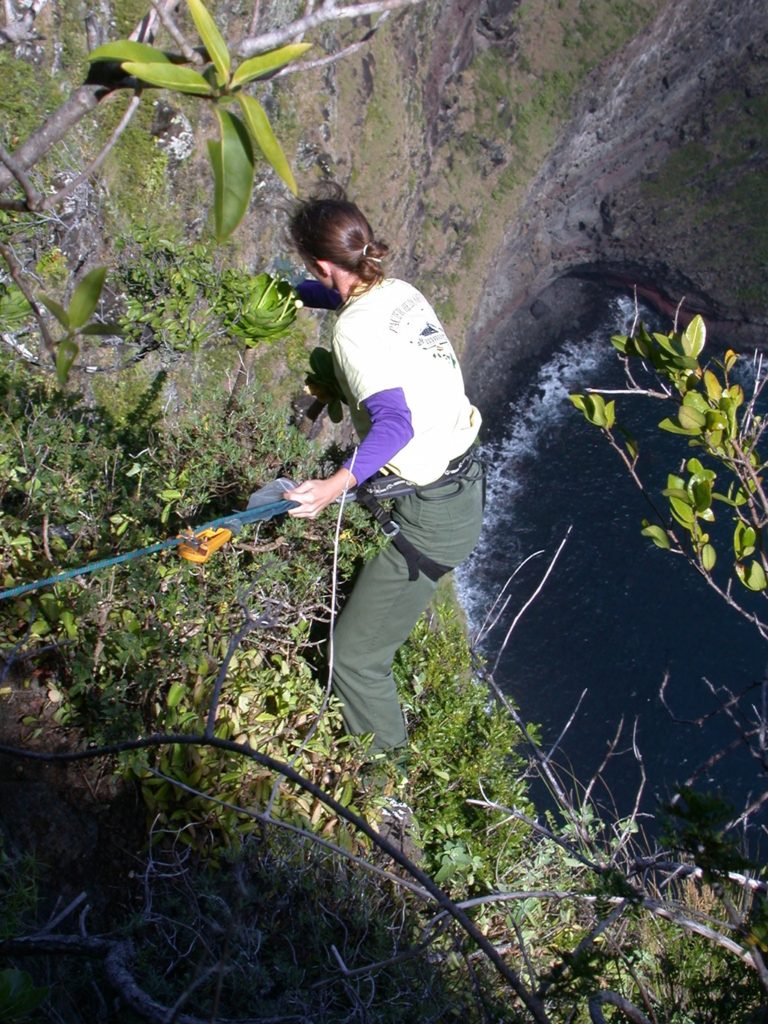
(315, 495)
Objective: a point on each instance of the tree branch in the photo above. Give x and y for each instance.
(327, 12)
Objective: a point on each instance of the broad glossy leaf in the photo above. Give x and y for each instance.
(232, 162)
(701, 493)
(713, 386)
(85, 297)
(261, 130)
(578, 401)
(677, 492)
(169, 76)
(682, 512)
(693, 400)
(126, 49)
(175, 694)
(730, 359)
(696, 467)
(744, 540)
(66, 353)
(212, 39)
(694, 337)
(657, 535)
(752, 576)
(264, 63)
(691, 419)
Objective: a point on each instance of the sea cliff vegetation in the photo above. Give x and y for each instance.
(182, 813)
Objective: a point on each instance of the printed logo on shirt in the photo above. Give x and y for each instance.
(434, 339)
(430, 338)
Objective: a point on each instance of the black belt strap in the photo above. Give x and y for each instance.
(391, 486)
(416, 561)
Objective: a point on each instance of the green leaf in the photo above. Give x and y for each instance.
(212, 39)
(86, 297)
(58, 311)
(657, 535)
(744, 540)
(693, 400)
(232, 162)
(175, 694)
(264, 63)
(691, 419)
(127, 50)
(682, 512)
(752, 576)
(708, 557)
(66, 353)
(261, 130)
(103, 330)
(713, 386)
(673, 428)
(694, 337)
(730, 359)
(169, 76)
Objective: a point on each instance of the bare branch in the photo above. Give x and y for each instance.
(33, 196)
(70, 187)
(18, 276)
(332, 58)
(329, 11)
(162, 11)
(532, 598)
(614, 999)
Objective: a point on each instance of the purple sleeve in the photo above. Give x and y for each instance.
(317, 296)
(391, 430)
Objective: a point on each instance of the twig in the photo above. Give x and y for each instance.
(614, 999)
(532, 598)
(321, 62)
(33, 196)
(328, 11)
(18, 276)
(70, 187)
(174, 32)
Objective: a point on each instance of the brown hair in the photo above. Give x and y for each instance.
(327, 226)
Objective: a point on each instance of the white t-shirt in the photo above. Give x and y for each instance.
(390, 337)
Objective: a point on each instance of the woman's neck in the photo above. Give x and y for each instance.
(344, 281)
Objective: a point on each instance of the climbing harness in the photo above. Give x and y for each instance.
(465, 467)
(194, 545)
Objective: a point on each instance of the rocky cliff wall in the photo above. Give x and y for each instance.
(509, 151)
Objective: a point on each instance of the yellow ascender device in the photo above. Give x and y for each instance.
(200, 546)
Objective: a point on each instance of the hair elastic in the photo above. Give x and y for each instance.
(374, 259)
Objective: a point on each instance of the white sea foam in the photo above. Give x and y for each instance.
(531, 416)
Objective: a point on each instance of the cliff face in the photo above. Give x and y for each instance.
(510, 152)
(657, 180)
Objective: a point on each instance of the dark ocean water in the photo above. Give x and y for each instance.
(616, 614)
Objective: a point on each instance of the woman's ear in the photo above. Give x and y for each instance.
(325, 268)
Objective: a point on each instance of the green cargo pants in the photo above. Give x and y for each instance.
(384, 605)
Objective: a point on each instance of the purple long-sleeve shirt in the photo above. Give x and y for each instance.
(391, 426)
(391, 430)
